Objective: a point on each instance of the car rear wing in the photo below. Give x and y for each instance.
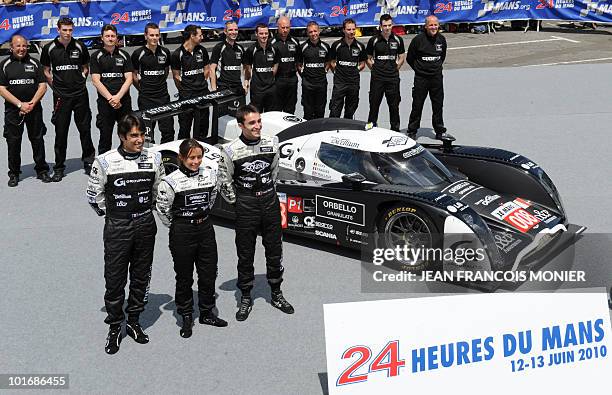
(222, 102)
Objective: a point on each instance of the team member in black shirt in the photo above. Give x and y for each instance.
(315, 57)
(226, 61)
(190, 71)
(226, 66)
(426, 55)
(22, 85)
(111, 73)
(151, 67)
(386, 54)
(260, 65)
(66, 62)
(290, 56)
(348, 58)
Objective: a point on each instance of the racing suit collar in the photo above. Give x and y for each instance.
(188, 172)
(128, 155)
(249, 142)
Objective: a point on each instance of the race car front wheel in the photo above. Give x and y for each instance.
(410, 229)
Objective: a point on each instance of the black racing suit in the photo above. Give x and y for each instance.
(248, 172)
(426, 55)
(122, 186)
(184, 201)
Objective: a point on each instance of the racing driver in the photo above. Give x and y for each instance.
(248, 170)
(122, 187)
(184, 201)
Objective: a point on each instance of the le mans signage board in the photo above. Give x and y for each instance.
(494, 343)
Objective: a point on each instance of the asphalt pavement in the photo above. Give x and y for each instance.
(52, 257)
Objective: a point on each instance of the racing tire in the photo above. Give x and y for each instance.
(170, 161)
(401, 225)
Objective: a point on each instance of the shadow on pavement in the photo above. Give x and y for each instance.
(153, 309)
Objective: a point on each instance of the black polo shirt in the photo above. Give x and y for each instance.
(290, 53)
(426, 54)
(385, 53)
(67, 66)
(111, 66)
(314, 58)
(153, 70)
(21, 78)
(347, 59)
(229, 64)
(191, 66)
(262, 60)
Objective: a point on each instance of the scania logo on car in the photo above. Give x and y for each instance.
(327, 235)
(255, 167)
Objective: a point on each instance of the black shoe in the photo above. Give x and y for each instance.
(209, 318)
(44, 177)
(87, 168)
(57, 175)
(445, 136)
(113, 339)
(246, 304)
(186, 329)
(279, 301)
(412, 134)
(13, 181)
(134, 330)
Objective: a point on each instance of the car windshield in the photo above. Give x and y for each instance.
(412, 167)
(415, 166)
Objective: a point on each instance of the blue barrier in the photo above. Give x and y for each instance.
(38, 20)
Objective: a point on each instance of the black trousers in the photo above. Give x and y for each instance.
(128, 246)
(423, 86)
(314, 99)
(194, 244)
(265, 100)
(107, 118)
(13, 132)
(63, 107)
(166, 125)
(344, 95)
(186, 120)
(286, 93)
(391, 90)
(253, 214)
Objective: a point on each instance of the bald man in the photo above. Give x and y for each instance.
(290, 56)
(23, 85)
(426, 55)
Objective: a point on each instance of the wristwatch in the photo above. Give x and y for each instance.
(19, 105)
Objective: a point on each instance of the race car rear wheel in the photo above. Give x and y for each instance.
(170, 161)
(403, 225)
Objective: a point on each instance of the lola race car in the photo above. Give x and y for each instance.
(348, 183)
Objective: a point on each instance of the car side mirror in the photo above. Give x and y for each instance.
(354, 181)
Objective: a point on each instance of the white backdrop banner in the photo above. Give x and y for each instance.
(494, 343)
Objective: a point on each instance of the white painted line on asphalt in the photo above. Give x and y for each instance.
(514, 43)
(568, 62)
(566, 39)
